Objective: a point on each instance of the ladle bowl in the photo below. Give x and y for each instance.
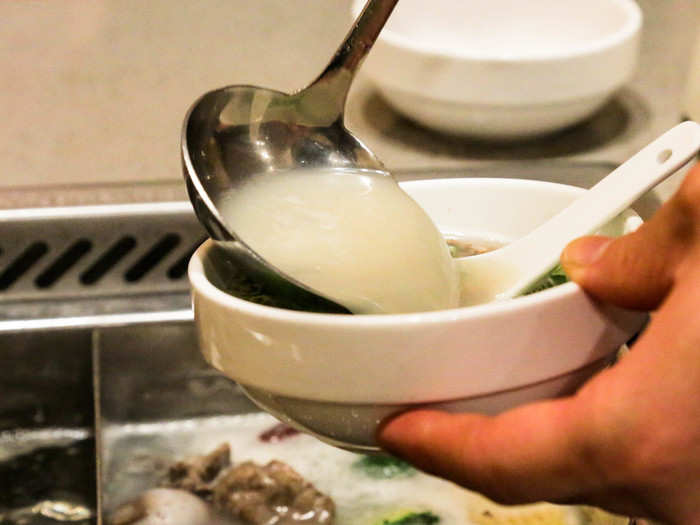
(232, 134)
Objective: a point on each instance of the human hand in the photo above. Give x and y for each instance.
(629, 440)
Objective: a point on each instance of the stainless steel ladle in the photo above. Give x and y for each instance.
(233, 133)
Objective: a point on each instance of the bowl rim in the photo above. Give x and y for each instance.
(230, 302)
(200, 284)
(630, 28)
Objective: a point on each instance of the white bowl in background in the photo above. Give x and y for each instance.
(338, 376)
(503, 69)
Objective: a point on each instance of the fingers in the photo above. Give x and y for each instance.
(624, 271)
(646, 411)
(638, 270)
(630, 438)
(628, 441)
(524, 455)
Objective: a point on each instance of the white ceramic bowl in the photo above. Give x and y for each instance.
(338, 376)
(503, 69)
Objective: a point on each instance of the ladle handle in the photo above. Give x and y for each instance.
(338, 75)
(603, 202)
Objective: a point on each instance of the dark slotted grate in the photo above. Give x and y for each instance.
(152, 257)
(63, 263)
(28, 258)
(108, 260)
(179, 269)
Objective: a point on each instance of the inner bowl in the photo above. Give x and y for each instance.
(338, 376)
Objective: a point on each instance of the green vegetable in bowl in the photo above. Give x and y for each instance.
(553, 278)
(466, 248)
(383, 467)
(410, 518)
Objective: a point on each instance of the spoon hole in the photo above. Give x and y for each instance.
(663, 156)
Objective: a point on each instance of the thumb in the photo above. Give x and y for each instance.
(638, 269)
(524, 455)
(631, 271)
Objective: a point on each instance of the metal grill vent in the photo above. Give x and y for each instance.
(107, 260)
(101, 250)
(23, 263)
(63, 263)
(100, 266)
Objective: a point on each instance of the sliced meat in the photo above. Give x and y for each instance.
(198, 474)
(273, 494)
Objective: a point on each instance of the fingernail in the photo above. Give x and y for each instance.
(582, 253)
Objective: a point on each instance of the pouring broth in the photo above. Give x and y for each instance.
(353, 235)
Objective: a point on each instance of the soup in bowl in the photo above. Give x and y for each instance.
(338, 376)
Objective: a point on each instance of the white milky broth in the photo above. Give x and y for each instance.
(355, 236)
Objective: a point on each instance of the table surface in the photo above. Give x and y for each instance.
(95, 92)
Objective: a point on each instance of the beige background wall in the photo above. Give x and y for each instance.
(96, 91)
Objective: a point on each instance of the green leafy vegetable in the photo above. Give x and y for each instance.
(383, 467)
(411, 518)
(553, 278)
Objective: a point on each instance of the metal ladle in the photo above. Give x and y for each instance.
(233, 133)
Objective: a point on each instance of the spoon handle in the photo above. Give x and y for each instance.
(338, 75)
(601, 203)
